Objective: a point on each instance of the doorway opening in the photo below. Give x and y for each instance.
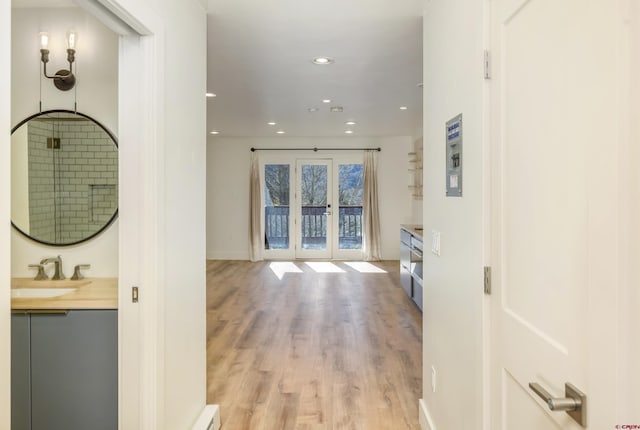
(321, 218)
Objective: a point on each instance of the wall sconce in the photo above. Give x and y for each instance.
(64, 79)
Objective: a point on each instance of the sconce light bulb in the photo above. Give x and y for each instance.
(44, 40)
(72, 40)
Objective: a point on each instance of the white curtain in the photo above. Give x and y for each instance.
(370, 215)
(255, 238)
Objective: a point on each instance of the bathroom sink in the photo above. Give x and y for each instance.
(39, 293)
(23, 283)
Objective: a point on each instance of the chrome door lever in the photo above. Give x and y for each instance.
(574, 404)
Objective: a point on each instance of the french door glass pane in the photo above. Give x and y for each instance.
(276, 206)
(350, 206)
(313, 225)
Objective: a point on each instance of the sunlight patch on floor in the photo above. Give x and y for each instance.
(324, 267)
(280, 268)
(364, 267)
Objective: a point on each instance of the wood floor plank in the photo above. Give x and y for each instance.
(320, 348)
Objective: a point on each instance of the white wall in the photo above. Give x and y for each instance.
(184, 312)
(20, 178)
(228, 188)
(453, 296)
(5, 216)
(96, 70)
(629, 342)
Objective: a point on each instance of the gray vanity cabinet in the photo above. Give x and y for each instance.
(73, 371)
(20, 372)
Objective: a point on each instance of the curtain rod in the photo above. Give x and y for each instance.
(316, 149)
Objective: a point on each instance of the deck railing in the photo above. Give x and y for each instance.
(313, 226)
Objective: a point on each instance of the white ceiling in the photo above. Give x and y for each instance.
(259, 66)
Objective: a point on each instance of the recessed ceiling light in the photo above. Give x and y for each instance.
(403, 108)
(280, 131)
(322, 61)
(271, 123)
(350, 123)
(349, 131)
(210, 95)
(214, 132)
(326, 101)
(335, 108)
(312, 109)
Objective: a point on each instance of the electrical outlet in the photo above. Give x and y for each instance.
(433, 379)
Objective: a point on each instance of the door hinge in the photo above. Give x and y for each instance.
(134, 294)
(487, 280)
(487, 65)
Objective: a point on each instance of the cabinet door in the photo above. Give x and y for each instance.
(20, 378)
(74, 369)
(405, 268)
(417, 293)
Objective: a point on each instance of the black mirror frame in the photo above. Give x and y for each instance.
(115, 214)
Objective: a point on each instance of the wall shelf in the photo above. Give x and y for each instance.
(415, 170)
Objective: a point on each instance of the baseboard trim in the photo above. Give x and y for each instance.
(209, 419)
(226, 255)
(426, 423)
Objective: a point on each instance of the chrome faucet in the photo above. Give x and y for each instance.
(76, 271)
(57, 275)
(41, 276)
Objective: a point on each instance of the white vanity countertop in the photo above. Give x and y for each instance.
(88, 293)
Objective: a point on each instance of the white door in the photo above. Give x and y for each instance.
(314, 211)
(554, 136)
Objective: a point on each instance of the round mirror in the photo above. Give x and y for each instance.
(64, 177)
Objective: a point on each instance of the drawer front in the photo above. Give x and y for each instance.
(406, 280)
(417, 294)
(416, 243)
(405, 237)
(405, 256)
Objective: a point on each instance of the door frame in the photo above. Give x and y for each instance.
(278, 254)
(140, 330)
(5, 213)
(139, 327)
(343, 254)
(327, 253)
(291, 160)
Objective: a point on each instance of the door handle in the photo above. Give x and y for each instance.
(574, 404)
(327, 213)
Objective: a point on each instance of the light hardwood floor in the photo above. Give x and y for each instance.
(289, 347)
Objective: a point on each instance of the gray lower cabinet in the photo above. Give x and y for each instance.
(411, 265)
(73, 380)
(20, 372)
(405, 262)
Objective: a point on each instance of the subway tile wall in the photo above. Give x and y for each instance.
(73, 190)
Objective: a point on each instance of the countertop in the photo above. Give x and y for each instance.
(414, 229)
(91, 293)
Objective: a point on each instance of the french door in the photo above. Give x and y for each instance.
(314, 213)
(312, 208)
